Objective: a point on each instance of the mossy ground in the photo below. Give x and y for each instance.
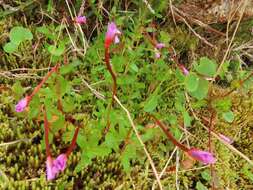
(23, 162)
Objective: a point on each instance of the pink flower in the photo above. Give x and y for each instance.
(225, 138)
(21, 105)
(80, 20)
(112, 34)
(60, 162)
(55, 166)
(51, 169)
(160, 45)
(202, 156)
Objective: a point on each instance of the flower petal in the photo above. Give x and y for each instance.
(21, 105)
(111, 34)
(225, 138)
(60, 162)
(160, 45)
(80, 19)
(202, 156)
(51, 173)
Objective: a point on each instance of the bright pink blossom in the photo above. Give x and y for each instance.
(55, 166)
(225, 138)
(60, 162)
(160, 45)
(51, 169)
(202, 156)
(80, 20)
(112, 34)
(21, 105)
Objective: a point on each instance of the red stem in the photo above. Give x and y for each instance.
(170, 136)
(73, 143)
(37, 88)
(46, 126)
(108, 65)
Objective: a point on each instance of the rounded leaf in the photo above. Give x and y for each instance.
(202, 90)
(10, 47)
(191, 82)
(228, 116)
(206, 67)
(19, 34)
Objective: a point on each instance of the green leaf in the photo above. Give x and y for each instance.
(228, 116)
(176, 132)
(223, 105)
(206, 175)
(19, 34)
(101, 150)
(45, 30)
(134, 67)
(112, 140)
(85, 161)
(165, 37)
(56, 50)
(151, 103)
(58, 124)
(10, 47)
(191, 82)
(247, 172)
(200, 186)
(68, 104)
(149, 134)
(126, 156)
(34, 107)
(18, 89)
(202, 90)
(187, 119)
(63, 85)
(118, 63)
(224, 69)
(65, 69)
(206, 67)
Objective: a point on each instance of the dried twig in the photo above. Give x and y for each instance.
(193, 31)
(141, 142)
(231, 41)
(149, 6)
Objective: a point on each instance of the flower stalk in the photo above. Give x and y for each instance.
(170, 136)
(23, 103)
(200, 155)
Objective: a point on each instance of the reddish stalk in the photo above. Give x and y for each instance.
(38, 87)
(114, 88)
(109, 68)
(170, 136)
(73, 142)
(46, 126)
